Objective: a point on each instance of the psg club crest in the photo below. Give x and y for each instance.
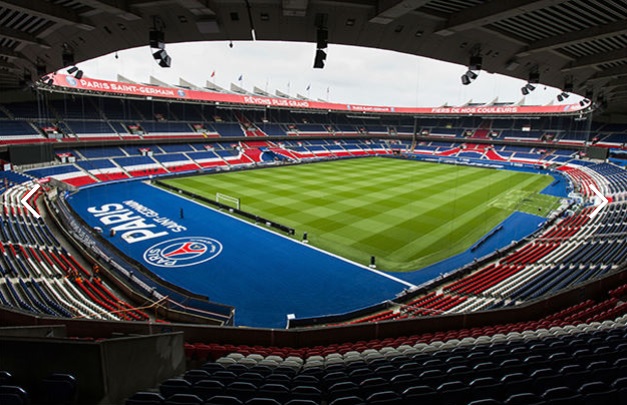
(182, 252)
(71, 81)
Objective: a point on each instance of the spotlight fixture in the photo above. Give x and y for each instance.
(166, 61)
(465, 79)
(527, 88)
(156, 40)
(73, 70)
(560, 97)
(471, 75)
(322, 41)
(321, 56)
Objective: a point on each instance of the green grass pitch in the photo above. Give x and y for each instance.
(408, 214)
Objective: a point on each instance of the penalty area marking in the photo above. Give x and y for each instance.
(361, 266)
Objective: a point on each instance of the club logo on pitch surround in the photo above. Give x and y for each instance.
(182, 252)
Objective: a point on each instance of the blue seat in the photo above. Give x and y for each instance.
(384, 397)
(597, 392)
(262, 401)
(13, 395)
(352, 400)
(306, 392)
(242, 390)
(421, 394)
(194, 376)
(145, 398)
(223, 400)
(453, 392)
(343, 389)
(485, 387)
(175, 386)
(485, 401)
(524, 398)
(183, 399)
(372, 385)
(301, 402)
(59, 389)
(5, 378)
(401, 382)
(562, 396)
(275, 391)
(208, 388)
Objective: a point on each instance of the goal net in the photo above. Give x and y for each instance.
(227, 200)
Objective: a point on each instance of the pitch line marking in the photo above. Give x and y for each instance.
(364, 267)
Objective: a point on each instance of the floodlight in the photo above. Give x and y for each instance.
(471, 75)
(79, 74)
(530, 87)
(524, 90)
(465, 79)
(321, 56)
(72, 70)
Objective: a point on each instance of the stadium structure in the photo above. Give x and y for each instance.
(178, 244)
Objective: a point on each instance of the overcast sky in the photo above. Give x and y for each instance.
(351, 74)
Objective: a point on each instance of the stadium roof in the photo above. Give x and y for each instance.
(578, 42)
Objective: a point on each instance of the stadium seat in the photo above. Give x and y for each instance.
(524, 398)
(562, 396)
(145, 398)
(13, 395)
(262, 401)
(175, 386)
(59, 389)
(352, 400)
(384, 397)
(183, 399)
(208, 388)
(194, 376)
(223, 400)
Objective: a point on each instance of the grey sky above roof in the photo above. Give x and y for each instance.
(351, 74)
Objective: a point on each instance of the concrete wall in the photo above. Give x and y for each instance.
(107, 371)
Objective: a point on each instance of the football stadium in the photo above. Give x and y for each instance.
(173, 243)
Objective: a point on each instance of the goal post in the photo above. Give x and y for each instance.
(224, 198)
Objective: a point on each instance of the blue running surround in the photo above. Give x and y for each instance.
(265, 276)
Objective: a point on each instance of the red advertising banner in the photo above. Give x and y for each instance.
(104, 86)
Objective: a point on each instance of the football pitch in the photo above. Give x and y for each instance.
(407, 214)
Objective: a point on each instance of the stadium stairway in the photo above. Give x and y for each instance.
(41, 277)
